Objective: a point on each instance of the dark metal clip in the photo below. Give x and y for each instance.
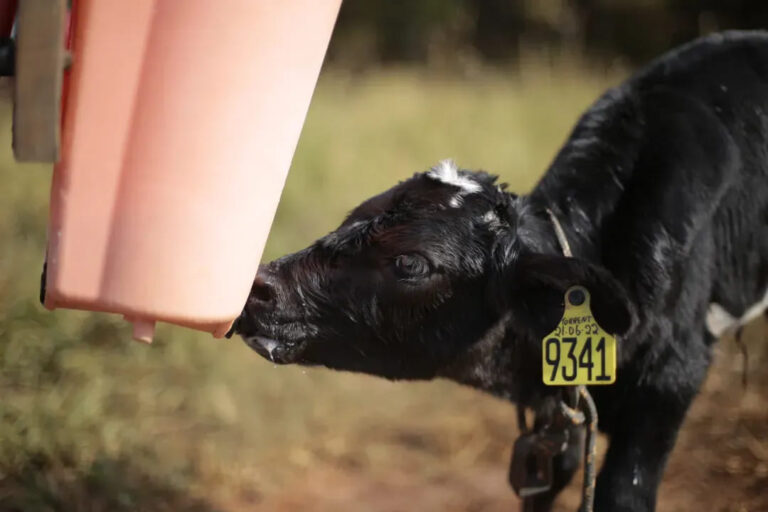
(531, 470)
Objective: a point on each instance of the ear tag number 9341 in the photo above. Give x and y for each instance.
(578, 351)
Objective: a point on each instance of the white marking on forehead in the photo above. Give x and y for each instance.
(447, 172)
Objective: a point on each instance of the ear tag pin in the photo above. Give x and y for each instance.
(578, 351)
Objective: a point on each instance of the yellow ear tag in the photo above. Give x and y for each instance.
(578, 351)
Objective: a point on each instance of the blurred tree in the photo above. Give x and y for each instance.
(371, 32)
(497, 26)
(383, 31)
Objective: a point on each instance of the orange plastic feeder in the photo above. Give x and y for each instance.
(180, 122)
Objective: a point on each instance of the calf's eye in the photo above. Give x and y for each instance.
(410, 266)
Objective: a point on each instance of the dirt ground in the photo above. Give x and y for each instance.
(720, 462)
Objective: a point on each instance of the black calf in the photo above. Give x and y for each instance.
(662, 192)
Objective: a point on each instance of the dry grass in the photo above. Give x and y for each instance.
(91, 421)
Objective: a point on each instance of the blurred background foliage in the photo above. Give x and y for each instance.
(461, 33)
(90, 421)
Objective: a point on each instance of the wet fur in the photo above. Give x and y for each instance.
(662, 190)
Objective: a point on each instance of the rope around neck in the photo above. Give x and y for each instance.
(584, 402)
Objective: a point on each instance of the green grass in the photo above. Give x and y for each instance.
(92, 421)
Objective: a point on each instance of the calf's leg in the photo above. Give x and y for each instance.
(650, 407)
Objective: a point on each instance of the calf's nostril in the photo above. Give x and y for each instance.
(262, 292)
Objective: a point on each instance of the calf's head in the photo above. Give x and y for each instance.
(415, 276)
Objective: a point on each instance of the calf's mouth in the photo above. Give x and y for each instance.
(279, 342)
(275, 333)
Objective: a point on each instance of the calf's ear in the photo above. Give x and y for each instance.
(534, 286)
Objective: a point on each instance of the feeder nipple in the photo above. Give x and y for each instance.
(143, 330)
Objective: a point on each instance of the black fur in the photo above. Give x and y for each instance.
(662, 190)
